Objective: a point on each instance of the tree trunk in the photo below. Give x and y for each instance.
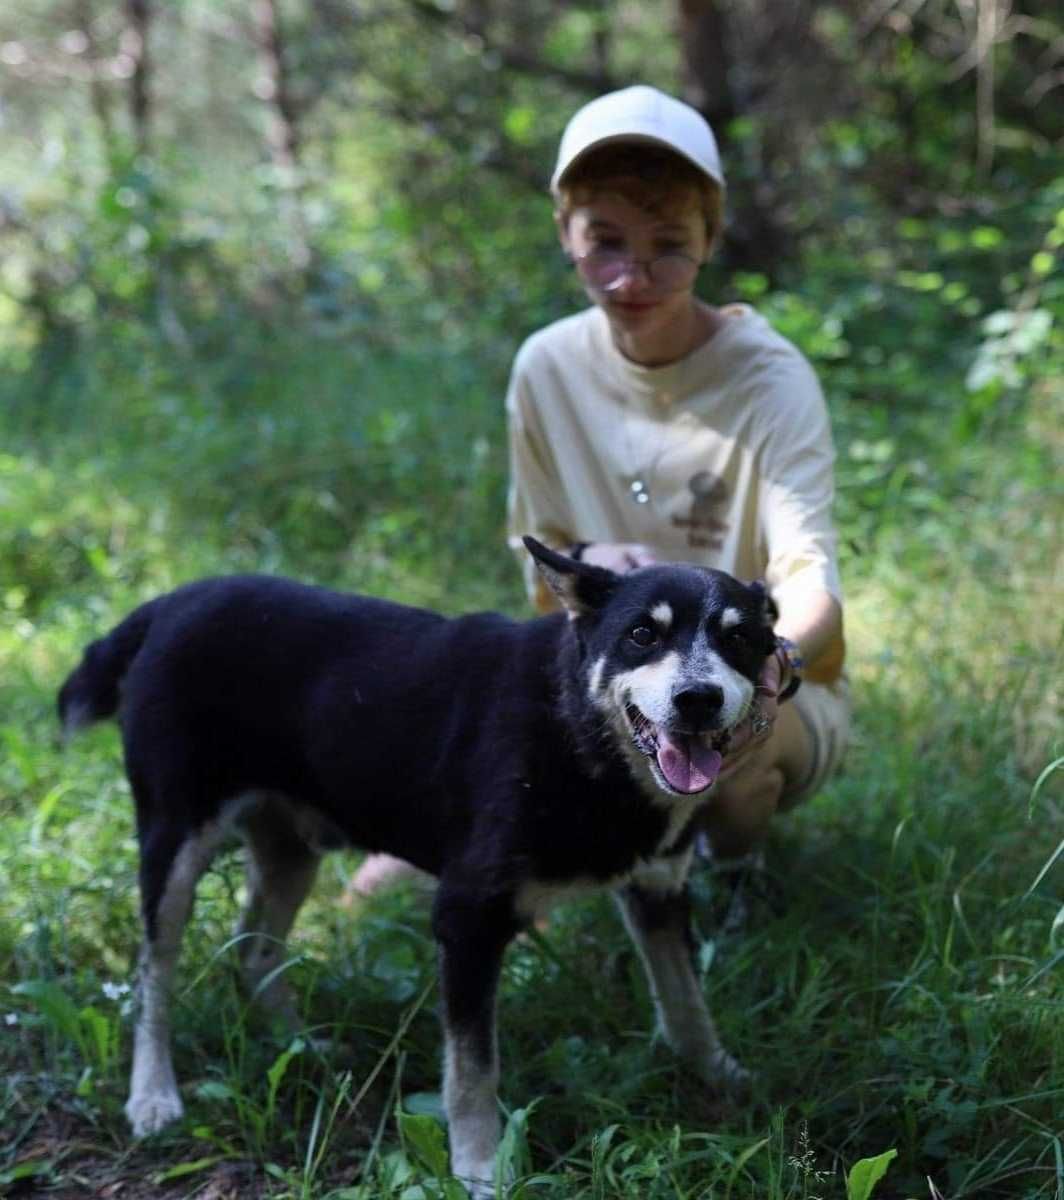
(135, 44)
(707, 71)
(98, 94)
(754, 240)
(282, 126)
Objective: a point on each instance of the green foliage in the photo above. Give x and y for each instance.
(909, 995)
(863, 1177)
(178, 398)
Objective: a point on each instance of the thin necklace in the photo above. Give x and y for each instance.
(639, 482)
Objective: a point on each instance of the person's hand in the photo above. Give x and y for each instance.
(618, 556)
(751, 734)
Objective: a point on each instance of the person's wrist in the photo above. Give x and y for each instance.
(792, 664)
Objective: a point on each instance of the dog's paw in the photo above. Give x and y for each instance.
(478, 1179)
(726, 1075)
(479, 1189)
(153, 1111)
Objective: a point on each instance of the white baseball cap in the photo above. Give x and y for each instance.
(639, 114)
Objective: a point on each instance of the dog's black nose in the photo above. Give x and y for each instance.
(699, 705)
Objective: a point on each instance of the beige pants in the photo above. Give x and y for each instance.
(825, 709)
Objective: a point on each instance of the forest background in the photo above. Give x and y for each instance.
(263, 267)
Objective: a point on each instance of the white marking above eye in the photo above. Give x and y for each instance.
(662, 615)
(730, 617)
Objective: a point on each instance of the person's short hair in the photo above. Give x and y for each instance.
(651, 177)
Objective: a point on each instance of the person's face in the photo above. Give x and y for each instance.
(608, 222)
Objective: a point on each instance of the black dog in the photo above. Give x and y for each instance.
(515, 761)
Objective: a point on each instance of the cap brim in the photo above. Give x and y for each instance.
(653, 139)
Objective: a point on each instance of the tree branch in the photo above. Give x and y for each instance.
(594, 81)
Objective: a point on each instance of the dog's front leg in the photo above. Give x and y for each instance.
(472, 934)
(656, 912)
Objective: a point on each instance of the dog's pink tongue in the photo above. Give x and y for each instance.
(688, 764)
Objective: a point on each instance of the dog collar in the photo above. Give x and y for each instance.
(790, 656)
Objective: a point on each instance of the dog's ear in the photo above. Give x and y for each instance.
(581, 587)
(770, 614)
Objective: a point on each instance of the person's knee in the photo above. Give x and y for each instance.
(380, 873)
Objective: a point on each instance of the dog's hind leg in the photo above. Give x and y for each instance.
(281, 868)
(472, 934)
(172, 860)
(656, 912)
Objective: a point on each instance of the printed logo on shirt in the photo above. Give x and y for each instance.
(709, 496)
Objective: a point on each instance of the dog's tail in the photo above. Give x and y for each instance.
(91, 692)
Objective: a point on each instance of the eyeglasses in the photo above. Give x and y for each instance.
(606, 270)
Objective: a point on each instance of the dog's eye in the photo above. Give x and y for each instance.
(643, 635)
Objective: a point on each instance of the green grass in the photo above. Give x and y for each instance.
(907, 997)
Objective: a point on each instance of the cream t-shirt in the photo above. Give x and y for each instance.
(724, 458)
